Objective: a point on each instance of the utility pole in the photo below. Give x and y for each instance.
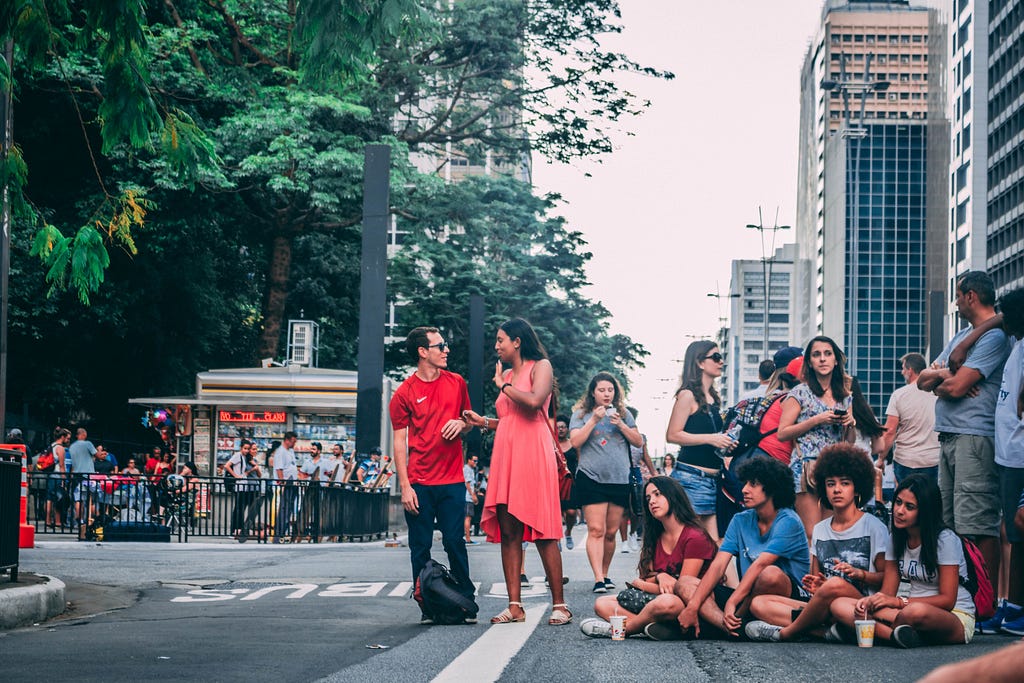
(766, 264)
(6, 143)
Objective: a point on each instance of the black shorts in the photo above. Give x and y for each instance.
(586, 491)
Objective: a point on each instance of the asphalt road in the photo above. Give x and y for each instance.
(223, 612)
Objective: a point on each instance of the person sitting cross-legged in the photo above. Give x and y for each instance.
(770, 546)
(674, 544)
(848, 558)
(922, 553)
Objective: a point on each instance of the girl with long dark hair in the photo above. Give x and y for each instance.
(602, 430)
(674, 544)
(816, 414)
(522, 502)
(929, 557)
(696, 425)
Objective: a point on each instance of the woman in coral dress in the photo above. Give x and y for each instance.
(522, 502)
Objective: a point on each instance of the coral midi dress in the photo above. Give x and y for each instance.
(523, 473)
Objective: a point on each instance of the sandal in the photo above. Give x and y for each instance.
(506, 617)
(560, 614)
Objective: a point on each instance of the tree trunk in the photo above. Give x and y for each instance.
(277, 296)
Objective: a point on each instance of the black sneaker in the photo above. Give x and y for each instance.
(524, 580)
(600, 587)
(906, 637)
(426, 619)
(664, 630)
(565, 581)
(609, 584)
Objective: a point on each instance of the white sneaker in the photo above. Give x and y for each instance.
(596, 628)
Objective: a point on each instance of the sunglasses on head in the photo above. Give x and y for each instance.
(716, 356)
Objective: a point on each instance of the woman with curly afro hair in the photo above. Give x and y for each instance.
(848, 551)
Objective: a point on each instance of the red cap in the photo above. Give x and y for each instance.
(795, 366)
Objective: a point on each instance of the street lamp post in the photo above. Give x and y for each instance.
(766, 263)
(853, 134)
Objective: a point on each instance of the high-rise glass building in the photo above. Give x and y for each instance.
(1005, 141)
(873, 186)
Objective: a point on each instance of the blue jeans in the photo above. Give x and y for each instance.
(701, 488)
(901, 472)
(446, 503)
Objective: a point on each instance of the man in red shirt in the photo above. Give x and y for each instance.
(426, 415)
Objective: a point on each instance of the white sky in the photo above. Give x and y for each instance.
(664, 214)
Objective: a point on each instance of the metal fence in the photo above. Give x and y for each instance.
(125, 507)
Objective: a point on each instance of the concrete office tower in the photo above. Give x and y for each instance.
(746, 337)
(969, 116)
(1005, 151)
(873, 186)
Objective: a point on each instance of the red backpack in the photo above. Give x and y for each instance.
(978, 583)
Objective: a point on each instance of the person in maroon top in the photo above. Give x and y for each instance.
(674, 544)
(426, 418)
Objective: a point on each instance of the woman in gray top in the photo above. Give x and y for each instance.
(601, 430)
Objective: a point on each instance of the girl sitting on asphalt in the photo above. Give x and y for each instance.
(674, 544)
(928, 556)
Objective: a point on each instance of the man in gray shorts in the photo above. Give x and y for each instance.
(964, 419)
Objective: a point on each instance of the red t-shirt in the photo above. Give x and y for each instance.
(692, 543)
(423, 408)
(780, 450)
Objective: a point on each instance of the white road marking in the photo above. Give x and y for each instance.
(401, 590)
(346, 590)
(487, 658)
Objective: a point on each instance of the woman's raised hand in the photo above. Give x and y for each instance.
(598, 414)
(499, 375)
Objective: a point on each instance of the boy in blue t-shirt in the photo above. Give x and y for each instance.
(770, 546)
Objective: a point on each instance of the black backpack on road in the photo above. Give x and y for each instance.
(437, 592)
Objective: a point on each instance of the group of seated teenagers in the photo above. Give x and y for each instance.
(786, 591)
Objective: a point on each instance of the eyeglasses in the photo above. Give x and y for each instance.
(717, 357)
(440, 346)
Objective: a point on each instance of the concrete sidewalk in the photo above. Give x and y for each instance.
(34, 598)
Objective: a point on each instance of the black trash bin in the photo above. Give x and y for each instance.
(10, 510)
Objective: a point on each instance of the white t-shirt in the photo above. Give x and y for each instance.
(916, 444)
(239, 466)
(469, 476)
(857, 546)
(1009, 428)
(284, 460)
(310, 466)
(924, 584)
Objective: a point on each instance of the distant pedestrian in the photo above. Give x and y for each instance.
(910, 425)
(82, 465)
(426, 412)
(469, 476)
(965, 420)
(570, 515)
(286, 472)
(765, 370)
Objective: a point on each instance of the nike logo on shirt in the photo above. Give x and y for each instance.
(421, 399)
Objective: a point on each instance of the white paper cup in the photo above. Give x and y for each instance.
(618, 627)
(865, 632)
(610, 410)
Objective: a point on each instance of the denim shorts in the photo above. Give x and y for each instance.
(700, 486)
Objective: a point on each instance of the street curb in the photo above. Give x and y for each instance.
(31, 604)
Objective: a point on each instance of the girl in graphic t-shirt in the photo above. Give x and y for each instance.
(674, 544)
(847, 550)
(928, 556)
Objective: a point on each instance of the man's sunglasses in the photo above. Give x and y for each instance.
(440, 346)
